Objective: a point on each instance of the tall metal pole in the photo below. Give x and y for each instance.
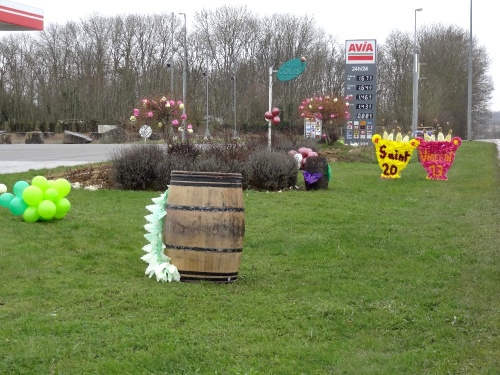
(469, 82)
(415, 78)
(184, 72)
(235, 134)
(270, 106)
(172, 58)
(207, 131)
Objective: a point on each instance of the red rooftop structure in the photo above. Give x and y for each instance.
(19, 17)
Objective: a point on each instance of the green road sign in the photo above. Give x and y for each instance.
(291, 69)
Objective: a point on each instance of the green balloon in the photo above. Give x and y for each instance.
(19, 187)
(30, 214)
(62, 186)
(17, 206)
(46, 209)
(51, 194)
(62, 207)
(5, 199)
(41, 182)
(33, 195)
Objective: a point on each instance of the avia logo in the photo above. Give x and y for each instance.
(360, 51)
(365, 47)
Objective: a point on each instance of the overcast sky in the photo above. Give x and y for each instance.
(346, 20)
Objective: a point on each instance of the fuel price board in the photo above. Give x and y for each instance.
(360, 91)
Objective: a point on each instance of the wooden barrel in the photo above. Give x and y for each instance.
(205, 224)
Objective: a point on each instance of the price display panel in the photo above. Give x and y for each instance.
(360, 90)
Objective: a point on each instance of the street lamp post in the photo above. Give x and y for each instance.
(469, 81)
(184, 69)
(172, 56)
(415, 78)
(235, 133)
(207, 130)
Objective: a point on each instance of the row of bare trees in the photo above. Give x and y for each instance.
(96, 70)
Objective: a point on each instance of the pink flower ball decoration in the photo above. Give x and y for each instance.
(172, 103)
(175, 122)
(304, 151)
(320, 108)
(301, 107)
(190, 126)
(149, 114)
(136, 112)
(183, 116)
(302, 115)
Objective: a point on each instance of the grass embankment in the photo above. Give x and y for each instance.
(367, 277)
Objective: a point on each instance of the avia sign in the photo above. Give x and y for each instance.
(361, 52)
(291, 69)
(19, 17)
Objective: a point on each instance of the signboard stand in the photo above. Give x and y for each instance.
(289, 70)
(361, 89)
(312, 128)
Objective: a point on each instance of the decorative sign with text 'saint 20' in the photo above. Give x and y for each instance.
(393, 156)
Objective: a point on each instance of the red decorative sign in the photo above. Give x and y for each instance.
(437, 156)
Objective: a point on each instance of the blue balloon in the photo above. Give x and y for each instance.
(19, 187)
(5, 199)
(17, 206)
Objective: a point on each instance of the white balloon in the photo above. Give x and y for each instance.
(3, 188)
(298, 157)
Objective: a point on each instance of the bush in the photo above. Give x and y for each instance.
(270, 170)
(140, 167)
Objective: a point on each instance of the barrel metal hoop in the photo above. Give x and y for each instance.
(204, 208)
(206, 184)
(205, 249)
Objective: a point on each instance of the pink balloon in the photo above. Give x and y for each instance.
(275, 111)
(276, 120)
(304, 151)
(268, 115)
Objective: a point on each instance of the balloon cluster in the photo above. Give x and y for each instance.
(273, 116)
(42, 200)
(301, 155)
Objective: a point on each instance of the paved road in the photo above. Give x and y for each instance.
(497, 141)
(24, 157)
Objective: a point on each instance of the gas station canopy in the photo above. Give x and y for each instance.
(19, 17)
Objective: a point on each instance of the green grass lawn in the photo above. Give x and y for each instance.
(367, 277)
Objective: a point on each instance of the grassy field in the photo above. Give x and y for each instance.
(367, 277)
